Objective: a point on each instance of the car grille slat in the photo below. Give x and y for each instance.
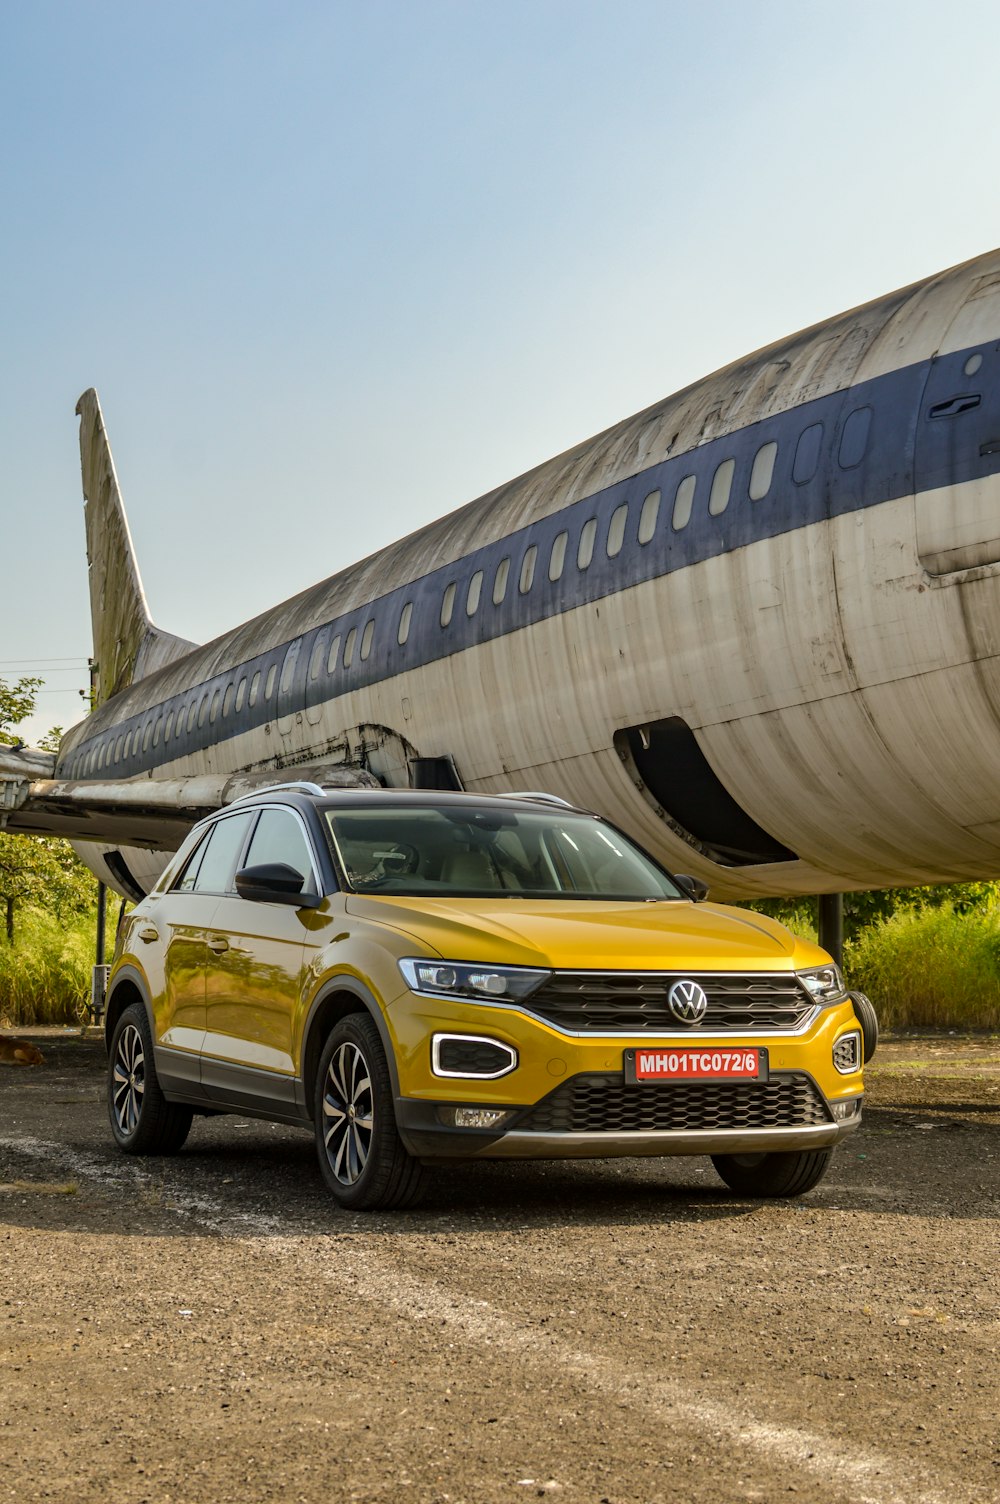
(636, 1002)
(606, 1104)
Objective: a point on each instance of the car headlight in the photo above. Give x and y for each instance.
(823, 983)
(482, 984)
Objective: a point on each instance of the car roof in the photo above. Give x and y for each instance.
(367, 798)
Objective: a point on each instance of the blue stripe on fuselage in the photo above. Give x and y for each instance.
(896, 462)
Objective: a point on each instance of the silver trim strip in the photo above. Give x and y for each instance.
(663, 1142)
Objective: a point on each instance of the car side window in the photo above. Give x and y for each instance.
(280, 838)
(218, 865)
(186, 881)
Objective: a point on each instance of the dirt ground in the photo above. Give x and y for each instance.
(211, 1328)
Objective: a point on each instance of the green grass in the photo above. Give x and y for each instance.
(931, 968)
(45, 974)
(923, 968)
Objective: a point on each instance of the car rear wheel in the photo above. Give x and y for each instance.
(864, 1012)
(142, 1120)
(360, 1152)
(786, 1174)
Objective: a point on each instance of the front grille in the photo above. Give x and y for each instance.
(636, 1002)
(605, 1104)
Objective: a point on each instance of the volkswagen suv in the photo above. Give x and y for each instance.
(422, 976)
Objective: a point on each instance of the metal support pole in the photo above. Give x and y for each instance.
(99, 981)
(831, 925)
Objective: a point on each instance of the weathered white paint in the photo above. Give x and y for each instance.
(844, 679)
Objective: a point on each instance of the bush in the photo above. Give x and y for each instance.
(930, 968)
(45, 974)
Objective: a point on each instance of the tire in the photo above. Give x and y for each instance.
(142, 1120)
(783, 1174)
(360, 1151)
(864, 1012)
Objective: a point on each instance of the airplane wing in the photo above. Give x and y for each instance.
(154, 813)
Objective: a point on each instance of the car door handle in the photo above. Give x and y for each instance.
(218, 943)
(149, 932)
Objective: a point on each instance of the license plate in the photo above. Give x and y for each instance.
(714, 1063)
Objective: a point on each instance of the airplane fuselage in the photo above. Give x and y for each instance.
(757, 625)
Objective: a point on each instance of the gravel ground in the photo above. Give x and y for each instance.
(211, 1328)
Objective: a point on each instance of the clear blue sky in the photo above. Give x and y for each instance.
(338, 268)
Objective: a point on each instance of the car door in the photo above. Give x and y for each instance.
(254, 977)
(169, 937)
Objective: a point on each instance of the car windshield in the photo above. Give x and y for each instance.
(465, 852)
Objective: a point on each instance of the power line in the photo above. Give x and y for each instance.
(39, 662)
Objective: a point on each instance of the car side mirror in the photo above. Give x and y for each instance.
(275, 882)
(695, 889)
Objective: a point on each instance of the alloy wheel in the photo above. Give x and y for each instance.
(348, 1113)
(129, 1079)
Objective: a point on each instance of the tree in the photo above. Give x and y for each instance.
(36, 871)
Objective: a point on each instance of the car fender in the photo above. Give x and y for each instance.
(343, 982)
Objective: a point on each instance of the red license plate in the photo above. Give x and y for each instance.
(713, 1063)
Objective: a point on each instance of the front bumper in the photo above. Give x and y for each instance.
(427, 1134)
(569, 1097)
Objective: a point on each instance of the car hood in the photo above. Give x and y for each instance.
(667, 936)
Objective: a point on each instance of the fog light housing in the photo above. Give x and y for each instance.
(850, 1107)
(475, 1117)
(471, 1056)
(847, 1053)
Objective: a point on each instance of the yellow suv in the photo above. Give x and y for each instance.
(418, 976)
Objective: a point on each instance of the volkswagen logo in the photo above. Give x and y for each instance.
(687, 1002)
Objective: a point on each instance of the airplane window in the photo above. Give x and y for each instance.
(475, 591)
(269, 681)
(157, 728)
(202, 711)
(647, 517)
(316, 656)
(683, 502)
(254, 690)
(100, 757)
(118, 748)
(972, 365)
(854, 439)
(763, 471)
(448, 604)
(722, 484)
(557, 558)
(349, 642)
(528, 569)
(288, 663)
(331, 662)
(241, 690)
(128, 746)
(168, 726)
(500, 581)
(213, 713)
(146, 735)
(366, 638)
(192, 713)
(227, 700)
(404, 623)
(616, 532)
(807, 452)
(585, 549)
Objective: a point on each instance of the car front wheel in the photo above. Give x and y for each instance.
(360, 1152)
(784, 1174)
(142, 1120)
